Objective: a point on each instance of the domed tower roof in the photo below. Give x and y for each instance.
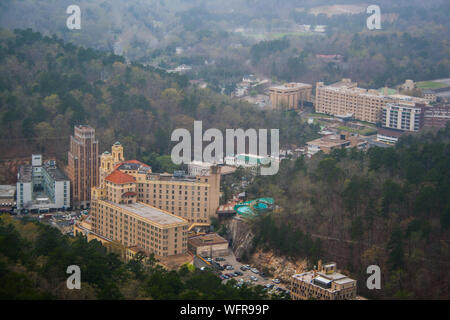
(117, 143)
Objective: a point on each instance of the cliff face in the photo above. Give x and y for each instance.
(240, 236)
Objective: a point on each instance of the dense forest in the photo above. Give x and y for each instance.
(389, 207)
(34, 258)
(47, 86)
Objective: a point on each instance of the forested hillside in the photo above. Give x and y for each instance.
(47, 86)
(34, 259)
(389, 207)
(220, 38)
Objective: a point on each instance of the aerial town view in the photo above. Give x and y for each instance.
(272, 154)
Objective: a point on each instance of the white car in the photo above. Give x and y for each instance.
(254, 270)
(276, 280)
(253, 278)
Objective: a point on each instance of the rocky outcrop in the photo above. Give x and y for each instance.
(278, 267)
(241, 239)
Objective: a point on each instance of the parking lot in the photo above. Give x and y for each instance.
(247, 275)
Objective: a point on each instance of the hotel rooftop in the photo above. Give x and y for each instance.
(151, 213)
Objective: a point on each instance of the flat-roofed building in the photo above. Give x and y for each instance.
(7, 197)
(389, 136)
(199, 168)
(345, 98)
(42, 186)
(209, 245)
(332, 142)
(83, 164)
(117, 215)
(323, 284)
(402, 116)
(289, 95)
(437, 116)
(194, 198)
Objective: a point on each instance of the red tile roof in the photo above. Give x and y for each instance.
(118, 177)
(129, 194)
(130, 161)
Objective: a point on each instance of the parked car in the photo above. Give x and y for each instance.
(276, 281)
(225, 277)
(239, 273)
(229, 267)
(254, 270)
(253, 278)
(220, 259)
(222, 277)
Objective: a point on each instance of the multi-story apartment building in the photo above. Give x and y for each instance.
(289, 95)
(437, 116)
(195, 199)
(323, 284)
(118, 216)
(42, 186)
(344, 98)
(404, 117)
(83, 165)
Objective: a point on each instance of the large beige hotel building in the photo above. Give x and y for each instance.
(117, 215)
(195, 199)
(149, 212)
(344, 98)
(288, 96)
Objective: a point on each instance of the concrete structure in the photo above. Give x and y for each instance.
(7, 197)
(42, 187)
(289, 95)
(198, 168)
(195, 199)
(436, 116)
(323, 284)
(430, 95)
(345, 98)
(209, 245)
(83, 165)
(331, 142)
(117, 215)
(402, 116)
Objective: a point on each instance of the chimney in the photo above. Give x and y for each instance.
(319, 265)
